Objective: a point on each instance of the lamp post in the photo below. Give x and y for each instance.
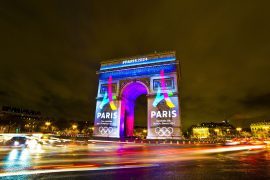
(74, 126)
(92, 130)
(266, 128)
(47, 125)
(238, 129)
(144, 133)
(217, 131)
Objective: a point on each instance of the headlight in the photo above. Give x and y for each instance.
(16, 143)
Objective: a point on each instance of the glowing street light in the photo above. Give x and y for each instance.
(217, 131)
(74, 126)
(47, 123)
(144, 131)
(238, 129)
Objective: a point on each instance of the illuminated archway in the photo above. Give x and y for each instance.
(129, 94)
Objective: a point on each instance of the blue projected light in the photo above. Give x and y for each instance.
(138, 71)
(104, 101)
(150, 61)
(159, 97)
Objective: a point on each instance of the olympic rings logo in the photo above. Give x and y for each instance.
(105, 130)
(164, 131)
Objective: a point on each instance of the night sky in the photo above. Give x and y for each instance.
(50, 52)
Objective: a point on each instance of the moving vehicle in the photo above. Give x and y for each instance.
(17, 141)
(231, 142)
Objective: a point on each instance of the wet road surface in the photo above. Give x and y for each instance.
(136, 161)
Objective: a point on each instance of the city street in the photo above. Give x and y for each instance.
(134, 90)
(114, 160)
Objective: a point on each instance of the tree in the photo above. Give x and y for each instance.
(62, 124)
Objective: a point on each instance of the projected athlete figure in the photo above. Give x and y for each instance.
(108, 98)
(165, 94)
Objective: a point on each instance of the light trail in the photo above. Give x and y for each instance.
(30, 172)
(108, 156)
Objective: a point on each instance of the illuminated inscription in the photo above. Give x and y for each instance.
(163, 114)
(134, 60)
(107, 115)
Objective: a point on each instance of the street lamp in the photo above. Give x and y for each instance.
(238, 129)
(267, 131)
(144, 131)
(47, 123)
(74, 126)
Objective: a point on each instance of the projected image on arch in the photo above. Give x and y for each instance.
(106, 113)
(163, 111)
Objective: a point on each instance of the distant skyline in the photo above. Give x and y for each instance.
(51, 50)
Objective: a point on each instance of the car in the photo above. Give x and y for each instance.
(231, 142)
(17, 141)
(49, 140)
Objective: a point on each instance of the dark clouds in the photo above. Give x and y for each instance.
(257, 101)
(50, 51)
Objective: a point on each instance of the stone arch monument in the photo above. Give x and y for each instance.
(122, 80)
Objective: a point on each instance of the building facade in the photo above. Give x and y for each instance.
(200, 132)
(260, 129)
(16, 120)
(213, 129)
